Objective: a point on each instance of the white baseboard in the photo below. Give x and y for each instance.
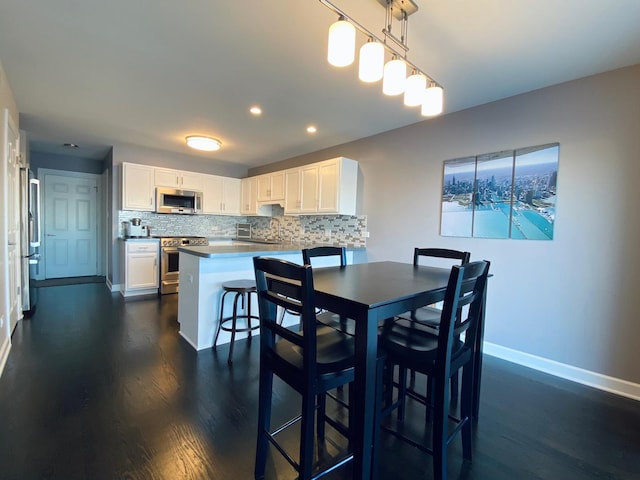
(568, 372)
(112, 287)
(4, 353)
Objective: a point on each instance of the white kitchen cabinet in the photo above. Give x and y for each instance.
(138, 189)
(141, 261)
(166, 177)
(328, 187)
(271, 187)
(249, 199)
(249, 196)
(301, 190)
(221, 195)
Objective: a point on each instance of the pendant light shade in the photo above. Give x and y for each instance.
(342, 43)
(414, 89)
(433, 101)
(371, 65)
(395, 77)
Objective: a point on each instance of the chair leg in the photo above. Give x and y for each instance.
(321, 414)
(440, 427)
(466, 409)
(306, 435)
(454, 387)
(248, 313)
(402, 391)
(215, 339)
(234, 326)
(264, 420)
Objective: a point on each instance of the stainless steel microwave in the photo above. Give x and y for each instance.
(172, 200)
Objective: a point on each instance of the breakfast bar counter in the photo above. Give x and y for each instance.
(204, 269)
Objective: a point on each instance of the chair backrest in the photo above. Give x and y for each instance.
(441, 253)
(466, 288)
(309, 253)
(281, 283)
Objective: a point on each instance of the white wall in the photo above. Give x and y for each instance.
(571, 300)
(6, 102)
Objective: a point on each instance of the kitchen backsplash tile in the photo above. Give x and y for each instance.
(330, 229)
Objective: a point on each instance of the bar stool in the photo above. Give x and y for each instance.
(240, 288)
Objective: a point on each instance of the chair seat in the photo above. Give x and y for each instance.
(239, 285)
(333, 320)
(426, 315)
(335, 351)
(416, 344)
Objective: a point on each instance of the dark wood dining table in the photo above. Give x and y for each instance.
(370, 293)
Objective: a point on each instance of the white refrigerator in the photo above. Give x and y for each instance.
(30, 240)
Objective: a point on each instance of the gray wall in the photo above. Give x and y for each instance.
(570, 300)
(64, 162)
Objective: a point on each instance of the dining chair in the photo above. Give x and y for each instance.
(326, 251)
(412, 345)
(430, 316)
(311, 361)
(330, 319)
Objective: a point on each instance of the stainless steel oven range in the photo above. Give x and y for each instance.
(169, 264)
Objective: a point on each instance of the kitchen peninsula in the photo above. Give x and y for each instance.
(204, 269)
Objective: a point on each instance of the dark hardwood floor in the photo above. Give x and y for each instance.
(99, 388)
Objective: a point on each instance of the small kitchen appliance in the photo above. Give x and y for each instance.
(135, 229)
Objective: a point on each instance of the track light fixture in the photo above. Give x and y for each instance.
(419, 88)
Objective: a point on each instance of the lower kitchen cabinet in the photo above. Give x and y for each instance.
(140, 262)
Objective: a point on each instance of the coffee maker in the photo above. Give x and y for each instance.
(135, 229)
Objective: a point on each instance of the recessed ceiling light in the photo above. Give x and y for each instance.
(199, 142)
(255, 110)
(311, 129)
(70, 145)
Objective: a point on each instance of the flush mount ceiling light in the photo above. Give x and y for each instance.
(199, 142)
(372, 67)
(255, 110)
(311, 129)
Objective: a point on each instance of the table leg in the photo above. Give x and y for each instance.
(477, 367)
(364, 402)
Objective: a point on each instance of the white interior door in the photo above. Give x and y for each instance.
(70, 225)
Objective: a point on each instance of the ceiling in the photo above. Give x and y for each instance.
(149, 72)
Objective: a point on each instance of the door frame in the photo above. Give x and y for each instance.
(42, 175)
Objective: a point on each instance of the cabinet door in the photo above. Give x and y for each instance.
(231, 196)
(249, 196)
(292, 191)
(264, 187)
(328, 183)
(165, 177)
(212, 194)
(309, 189)
(137, 187)
(191, 181)
(142, 270)
(277, 186)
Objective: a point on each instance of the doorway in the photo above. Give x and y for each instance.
(72, 223)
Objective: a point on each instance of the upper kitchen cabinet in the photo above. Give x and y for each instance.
(271, 187)
(221, 195)
(328, 187)
(137, 187)
(166, 177)
(249, 199)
